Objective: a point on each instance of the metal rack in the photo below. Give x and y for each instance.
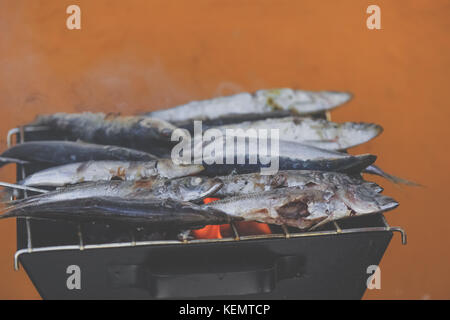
(132, 243)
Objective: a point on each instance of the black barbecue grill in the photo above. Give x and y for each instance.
(114, 263)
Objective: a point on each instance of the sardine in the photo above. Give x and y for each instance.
(63, 152)
(302, 208)
(234, 185)
(313, 132)
(156, 213)
(109, 170)
(136, 132)
(181, 189)
(290, 156)
(263, 101)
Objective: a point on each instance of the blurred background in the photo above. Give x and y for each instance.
(141, 55)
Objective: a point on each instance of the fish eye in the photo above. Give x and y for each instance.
(196, 181)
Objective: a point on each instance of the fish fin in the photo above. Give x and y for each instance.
(373, 169)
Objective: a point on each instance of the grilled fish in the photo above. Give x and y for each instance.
(261, 102)
(289, 155)
(63, 152)
(313, 132)
(136, 132)
(109, 170)
(234, 185)
(153, 212)
(182, 189)
(302, 208)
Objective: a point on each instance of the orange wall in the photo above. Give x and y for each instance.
(142, 55)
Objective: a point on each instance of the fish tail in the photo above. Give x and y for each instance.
(373, 169)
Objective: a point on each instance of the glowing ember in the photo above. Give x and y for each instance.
(244, 228)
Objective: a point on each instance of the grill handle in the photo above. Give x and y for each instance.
(179, 284)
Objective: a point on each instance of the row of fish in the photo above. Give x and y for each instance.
(295, 198)
(117, 168)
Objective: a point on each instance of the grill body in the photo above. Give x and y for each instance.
(311, 267)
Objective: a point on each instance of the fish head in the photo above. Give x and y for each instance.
(196, 188)
(168, 169)
(302, 102)
(366, 198)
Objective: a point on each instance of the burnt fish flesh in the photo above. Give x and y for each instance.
(247, 157)
(318, 133)
(109, 170)
(301, 208)
(234, 185)
(152, 212)
(54, 153)
(136, 132)
(299, 102)
(182, 189)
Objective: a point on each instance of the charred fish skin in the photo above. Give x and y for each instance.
(318, 133)
(109, 170)
(65, 152)
(136, 132)
(300, 102)
(300, 208)
(155, 213)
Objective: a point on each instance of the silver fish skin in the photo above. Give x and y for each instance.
(180, 189)
(234, 185)
(290, 155)
(109, 170)
(299, 102)
(318, 133)
(136, 132)
(300, 208)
